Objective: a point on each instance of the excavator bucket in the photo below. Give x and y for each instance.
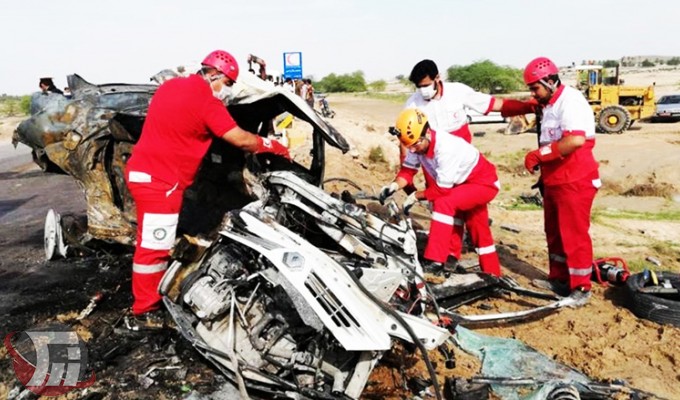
(520, 124)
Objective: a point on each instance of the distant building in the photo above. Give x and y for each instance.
(636, 61)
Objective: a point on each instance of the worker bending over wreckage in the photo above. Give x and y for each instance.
(458, 179)
(444, 104)
(184, 115)
(569, 174)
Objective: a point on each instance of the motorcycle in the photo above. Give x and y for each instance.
(325, 108)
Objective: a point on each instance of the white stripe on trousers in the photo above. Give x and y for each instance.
(486, 250)
(443, 218)
(149, 269)
(581, 271)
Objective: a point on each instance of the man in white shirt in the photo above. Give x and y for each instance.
(569, 173)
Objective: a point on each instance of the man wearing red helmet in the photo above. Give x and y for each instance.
(569, 173)
(183, 117)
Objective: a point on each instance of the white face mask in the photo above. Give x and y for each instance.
(428, 92)
(223, 94)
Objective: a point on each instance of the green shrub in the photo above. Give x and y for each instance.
(487, 77)
(353, 82)
(378, 86)
(25, 104)
(376, 154)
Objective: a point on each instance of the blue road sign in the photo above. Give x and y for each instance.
(292, 65)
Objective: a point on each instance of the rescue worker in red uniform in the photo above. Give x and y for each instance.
(184, 115)
(458, 179)
(569, 174)
(445, 104)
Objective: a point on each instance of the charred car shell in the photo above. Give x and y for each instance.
(91, 136)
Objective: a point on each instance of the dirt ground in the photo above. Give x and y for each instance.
(602, 339)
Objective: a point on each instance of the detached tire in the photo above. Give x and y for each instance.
(613, 119)
(653, 307)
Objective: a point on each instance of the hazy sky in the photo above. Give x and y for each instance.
(128, 41)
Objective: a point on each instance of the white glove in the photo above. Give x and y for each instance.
(410, 201)
(387, 191)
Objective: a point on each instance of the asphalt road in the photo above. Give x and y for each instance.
(11, 157)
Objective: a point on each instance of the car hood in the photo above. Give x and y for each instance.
(272, 101)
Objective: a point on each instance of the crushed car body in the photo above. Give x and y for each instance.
(263, 303)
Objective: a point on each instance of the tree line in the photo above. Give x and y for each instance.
(484, 76)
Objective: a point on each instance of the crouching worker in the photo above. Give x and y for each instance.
(458, 179)
(184, 116)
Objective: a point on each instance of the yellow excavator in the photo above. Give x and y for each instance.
(615, 105)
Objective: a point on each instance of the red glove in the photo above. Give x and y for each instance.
(271, 146)
(544, 154)
(512, 107)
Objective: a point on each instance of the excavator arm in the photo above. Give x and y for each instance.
(262, 73)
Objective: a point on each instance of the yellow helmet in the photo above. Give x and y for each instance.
(411, 124)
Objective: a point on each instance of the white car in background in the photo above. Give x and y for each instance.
(475, 117)
(667, 108)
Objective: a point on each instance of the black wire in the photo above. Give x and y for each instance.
(407, 327)
(351, 182)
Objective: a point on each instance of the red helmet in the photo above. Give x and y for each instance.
(223, 62)
(538, 69)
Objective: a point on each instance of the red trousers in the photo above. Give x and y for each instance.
(566, 209)
(158, 206)
(468, 201)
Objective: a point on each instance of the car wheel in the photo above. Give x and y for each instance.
(661, 308)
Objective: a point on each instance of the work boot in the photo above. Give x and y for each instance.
(432, 267)
(581, 296)
(559, 288)
(149, 321)
(451, 264)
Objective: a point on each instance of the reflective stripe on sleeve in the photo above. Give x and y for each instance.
(458, 221)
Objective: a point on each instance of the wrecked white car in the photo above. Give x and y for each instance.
(290, 291)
